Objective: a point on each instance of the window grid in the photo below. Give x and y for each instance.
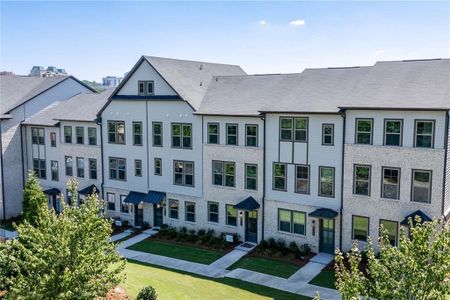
(37, 136)
(54, 170)
(326, 181)
(421, 186)
(232, 134)
(173, 208)
(364, 131)
(390, 183)
(393, 132)
(231, 215)
(92, 136)
(40, 168)
(213, 133)
(213, 212)
(292, 221)
(424, 133)
(79, 131)
(158, 166)
(137, 133)
(116, 132)
(251, 135)
(279, 177)
(182, 135)
(92, 168)
(69, 165)
(251, 177)
(138, 167)
(183, 173)
(360, 228)
(117, 168)
(361, 180)
(80, 167)
(327, 134)
(68, 134)
(157, 134)
(302, 180)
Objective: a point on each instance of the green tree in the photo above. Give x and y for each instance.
(417, 269)
(33, 199)
(66, 256)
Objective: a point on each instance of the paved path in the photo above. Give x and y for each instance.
(312, 268)
(230, 258)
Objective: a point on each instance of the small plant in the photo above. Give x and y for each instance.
(210, 232)
(145, 225)
(172, 233)
(164, 226)
(235, 237)
(305, 249)
(183, 229)
(264, 244)
(294, 248)
(201, 232)
(281, 244)
(272, 243)
(147, 293)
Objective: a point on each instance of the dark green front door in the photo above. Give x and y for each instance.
(326, 236)
(138, 214)
(251, 226)
(157, 215)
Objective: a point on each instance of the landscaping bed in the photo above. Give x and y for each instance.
(8, 224)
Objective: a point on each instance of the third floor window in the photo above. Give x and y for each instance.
(116, 132)
(424, 134)
(182, 135)
(37, 136)
(364, 130)
(393, 132)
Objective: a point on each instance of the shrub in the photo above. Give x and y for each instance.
(235, 237)
(172, 233)
(125, 223)
(164, 226)
(272, 243)
(147, 293)
(305, 249)
(210, 232)
(281, 244)
(264, 244)
(201, 232)
(183, 229)
(145, 225)
(294, 248)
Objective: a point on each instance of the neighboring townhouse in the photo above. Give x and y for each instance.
(152, 142)
(62, 142)
(20, 98)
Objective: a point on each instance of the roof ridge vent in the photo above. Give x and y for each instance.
(200, 67)
(343, 68)
(424, 59)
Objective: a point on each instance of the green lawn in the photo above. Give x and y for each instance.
(325, 279)
(266, 266)
(172, 285)
(193, 254)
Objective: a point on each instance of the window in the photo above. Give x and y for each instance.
(360, 227)
(232, 134)
(183, 173)
(145, 88)
(53, 139)
(279, 177)
(424, 134)
(116, 132)
(69, 165)
(393, 132)
(364, 131)
(158, 166)
(37, 136)
(328, 134)
(117, 168)
(124, 207)
(213, 133)
(92, 136)
(111, 201)
(421, 186)
(79, 131)
(92, 168)
(224, 173)
(68, 134)
(173, 209)
(39, 168)
(231, 215)
(54, 170)
(213, 212)
(182, 135)
(294, 129)
(80, 167)
(302, 179)
(286, 129)
(138, 167)
(157, 134)
(301, 130)
(391, 229)
(137, 133)
(391, 183)
(361, 180)
(251, 135)
(292, 221)
(326, 181)
(251, 177)
(189, 211)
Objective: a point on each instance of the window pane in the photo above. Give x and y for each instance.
(360, 228)
(364, 132)
(231, 215)
(421, 186)
(326, 181)
(284, 217)
(390, 228)
(391, 183)
(299, 222)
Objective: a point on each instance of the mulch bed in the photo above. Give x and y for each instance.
(285, 258)
(230, 246)
(117, 229)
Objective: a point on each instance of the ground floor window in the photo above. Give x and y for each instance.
(360, 227)
(292, 221)
(190, 211)
(111, 201)
(391, 228)
(213, 212)
(173, 209)
(231, 215)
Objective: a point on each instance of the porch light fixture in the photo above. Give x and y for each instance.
(313, 227)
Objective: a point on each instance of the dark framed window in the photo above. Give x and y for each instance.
(391, 183)
(79, 131)
(213, 133)
(158, 166)
(173, 208)
(232, 134)
(111, 201)
(286, 129)
(68, 134)
(92, 168)
(183, 173)
(279, 177)
(124, 207)
(92, 136)
(40, 168)
(54, 169)
(361, 180)
(116, 132)
(117, 168)
(231, 215)
(138, 167)
(189, 208)
(137, 133)
(251, 135)
(302, 179)
(360, 228)
(292, 221)
(421, 186)
(251, 177)
(145, 88)
(301, 130)
(424, 134)
(224, 173)
(326, 181)
(391, 229)
(213, 212)
(53, 139)
(182, 135)
(80, 167)
(393, 132)
(328, 134)
(157, 134)
(364, 131)
(69, 165)
(37, 136)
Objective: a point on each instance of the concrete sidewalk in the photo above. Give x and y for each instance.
(228, 259)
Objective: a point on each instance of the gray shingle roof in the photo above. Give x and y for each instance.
(82, 107)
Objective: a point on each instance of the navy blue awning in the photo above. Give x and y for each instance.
(88, 190)
(248, 204)
(325, 213)
(52, 191)
(134, 197)
(154, 197)
(417, 213)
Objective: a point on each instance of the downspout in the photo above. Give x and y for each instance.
(3, 174)
(342, 178)
(23, 154)
(148, 146)
(203, 140)
(99, 123)
(264, 177)
(445, 164)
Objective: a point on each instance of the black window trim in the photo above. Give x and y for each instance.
(245, 176)
(285, 176)
(65, 165)
(432, 137)
(226, 215)
(134, 134)
(401, 130)
(116, 132)
(145, 89)
(71, 134)
(96, 168)
(354, 179)
(309, 179)
(353, 227)
(39, 129)
(76, 135)
(334, 182)
(181, 135)
(89, 138)
(371, 129)
(208, 141)
(399, 182)
(291, 211)
(183, 174)
(209, 212)
(397, 229)
(109, 168)
(237, 134)
(430, 193)
(257, 133)
(160, 166)
(153, 133)
(186, 203)
(57, 170)
(76, 164)
(332, 134)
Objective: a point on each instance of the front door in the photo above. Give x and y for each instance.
(138, 214)
(251, 226)
(326, 236)
(157, 215)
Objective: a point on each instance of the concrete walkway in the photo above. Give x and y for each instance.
(228, 259)
(312, 268)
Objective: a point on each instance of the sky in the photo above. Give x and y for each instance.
(95, 39)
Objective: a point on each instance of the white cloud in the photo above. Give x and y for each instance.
(262, 23)
(380, 52)
(297, 23)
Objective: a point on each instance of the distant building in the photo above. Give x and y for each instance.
(111, 81)
(8, 73)
(39, 71)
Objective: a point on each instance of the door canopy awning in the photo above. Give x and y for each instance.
(247, 204)
(134, 197)
(88, 190)
(153, 197)
(52, 192)
(324, 213)
(417, 214)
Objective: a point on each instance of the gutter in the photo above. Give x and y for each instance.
(342, 178)
(3, 174)
(445, 177)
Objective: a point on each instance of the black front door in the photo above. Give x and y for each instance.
(138, 214)
(326, 236)
(157, 215)
(251, 226)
